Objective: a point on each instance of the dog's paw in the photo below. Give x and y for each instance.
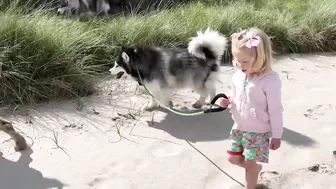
(197, 105)
(169, 104)
(150, 107)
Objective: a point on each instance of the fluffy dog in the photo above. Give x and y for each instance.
(163, 70)
(84, 7)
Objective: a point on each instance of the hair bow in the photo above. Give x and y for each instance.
(252, 41)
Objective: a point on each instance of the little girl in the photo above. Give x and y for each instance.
(255, 104)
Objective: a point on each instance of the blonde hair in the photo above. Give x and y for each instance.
(262, 51)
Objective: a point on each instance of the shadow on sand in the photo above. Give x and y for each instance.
(214, 127)
(18, 175)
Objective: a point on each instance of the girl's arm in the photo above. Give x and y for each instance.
(274, 103)
(231, 96)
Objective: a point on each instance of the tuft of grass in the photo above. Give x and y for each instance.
(43, 57)
(29, 5)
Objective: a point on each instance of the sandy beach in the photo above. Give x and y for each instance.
(105, 141)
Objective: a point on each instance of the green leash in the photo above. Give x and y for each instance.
(209, 110)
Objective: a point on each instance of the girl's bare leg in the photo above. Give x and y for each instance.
(238, 160)
(252, 170)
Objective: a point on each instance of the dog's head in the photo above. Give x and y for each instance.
(63, 7)
(127, 63)
(118, 71)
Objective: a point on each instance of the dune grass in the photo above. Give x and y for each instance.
(45, 57)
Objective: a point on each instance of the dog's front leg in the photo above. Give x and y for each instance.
(165, 98)
(201, 101)
(152, 105)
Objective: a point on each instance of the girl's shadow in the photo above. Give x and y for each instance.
(207, 127)
(214, 127)
(18, 175)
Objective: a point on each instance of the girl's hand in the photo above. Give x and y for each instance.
(275, 143)
(225, 102)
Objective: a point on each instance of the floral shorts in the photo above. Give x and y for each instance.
(254, 146)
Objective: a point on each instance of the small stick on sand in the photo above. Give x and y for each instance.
(7, 127)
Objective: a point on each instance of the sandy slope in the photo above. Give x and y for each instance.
(76, 145)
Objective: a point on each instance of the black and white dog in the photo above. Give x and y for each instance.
(85, 7)
(164, 70)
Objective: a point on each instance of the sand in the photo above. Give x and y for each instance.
(105, 142)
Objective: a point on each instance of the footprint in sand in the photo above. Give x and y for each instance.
(113, 174)
(313, 113)
(166, 151)
(108, 183)
(267, 177)
(94, 182)
(287, 75)
(309, 177)
(322, 168)
(136, 166)
(140, 165)
(309, 70)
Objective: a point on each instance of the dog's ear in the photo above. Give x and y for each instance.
(123, 48)
(125, 57)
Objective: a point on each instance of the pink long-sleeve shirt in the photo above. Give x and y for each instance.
(257, 107)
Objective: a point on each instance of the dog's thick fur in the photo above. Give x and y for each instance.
(85, 7)
(7, 127)
(164, 70)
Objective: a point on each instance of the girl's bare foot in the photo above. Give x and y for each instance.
(252, 176)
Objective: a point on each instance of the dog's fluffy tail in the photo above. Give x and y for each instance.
(208, 45)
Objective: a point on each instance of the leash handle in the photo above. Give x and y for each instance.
(213, 101)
